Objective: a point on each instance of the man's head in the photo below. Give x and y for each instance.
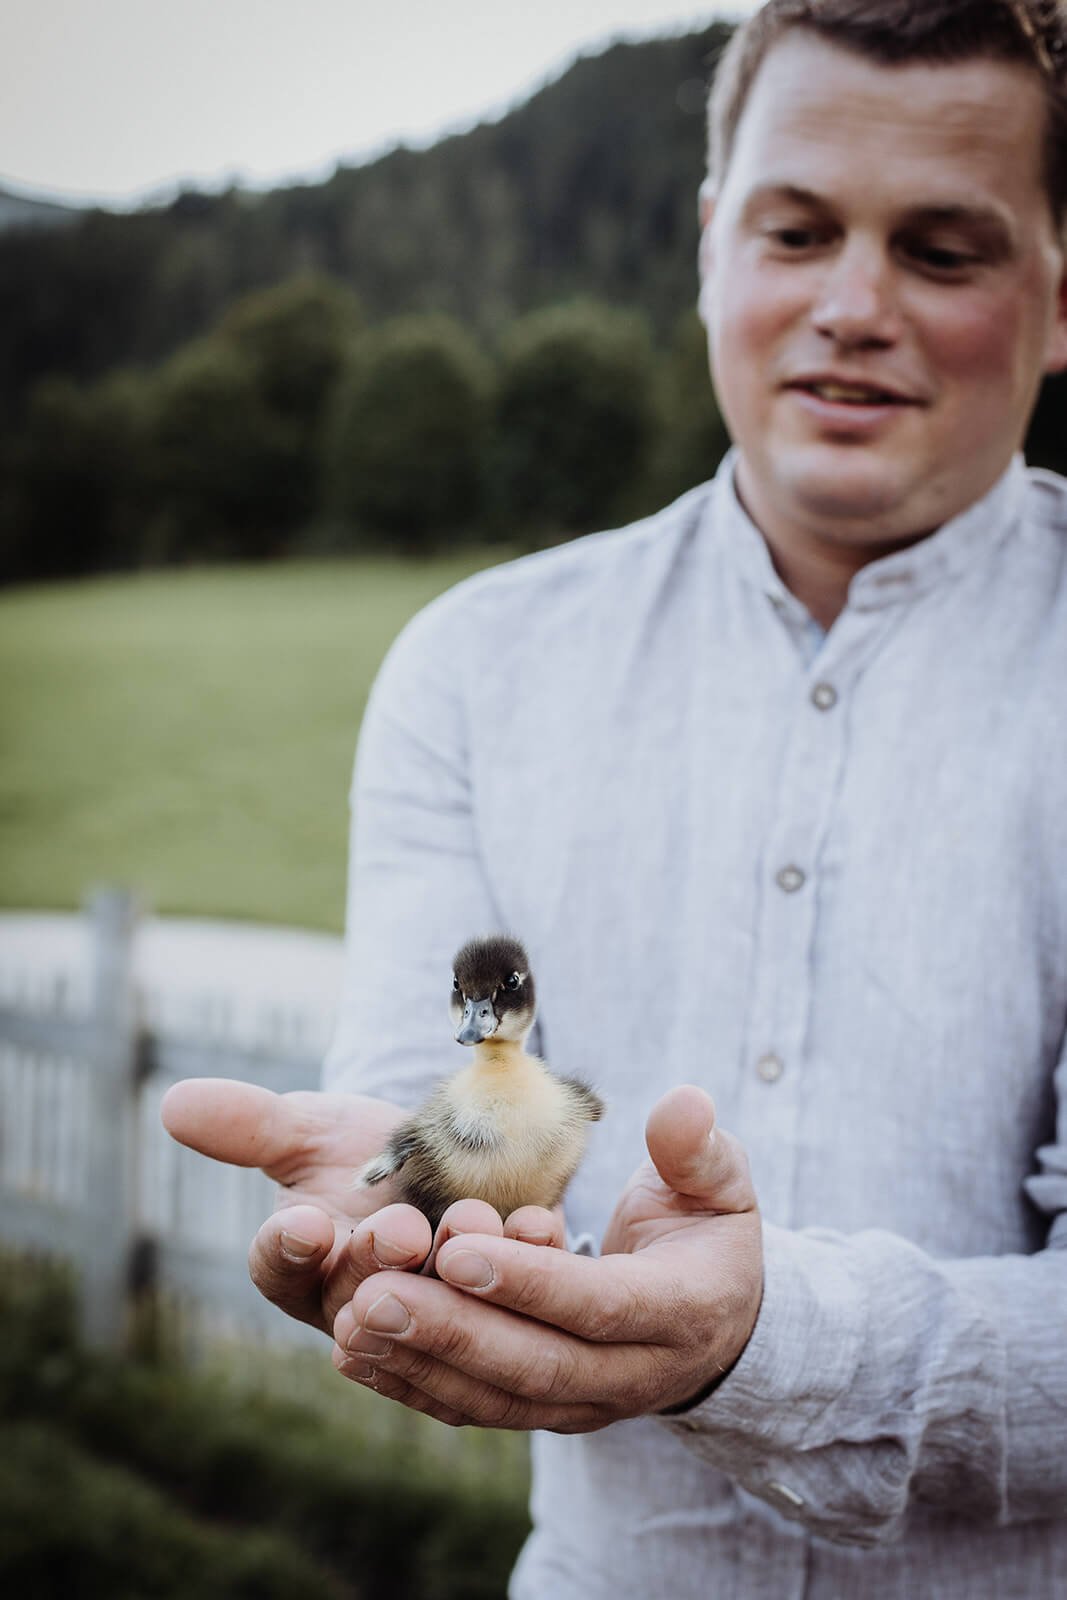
(1030, 33)
(883, 274)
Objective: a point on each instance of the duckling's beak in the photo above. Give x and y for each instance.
(479, 1022)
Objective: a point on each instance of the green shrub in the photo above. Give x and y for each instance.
(693, 437)
(73, 494)
(70, 1524)
(223, 468)
(123, 1478)
(576, 417)
(295, 339)
(406, 441)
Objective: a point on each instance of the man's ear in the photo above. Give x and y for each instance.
(707, 211)
(707, 195)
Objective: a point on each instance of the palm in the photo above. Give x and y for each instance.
(311, 1145)
(652, 1212)
(649, 1213)
(332, 1135)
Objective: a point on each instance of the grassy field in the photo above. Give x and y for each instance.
(191, 733)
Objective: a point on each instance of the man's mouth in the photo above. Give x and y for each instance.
(851, 394)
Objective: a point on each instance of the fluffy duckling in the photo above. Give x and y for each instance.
(505, 1129)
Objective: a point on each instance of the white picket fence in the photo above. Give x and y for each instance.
(87, 1172)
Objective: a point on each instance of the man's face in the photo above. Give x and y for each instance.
(883, 290)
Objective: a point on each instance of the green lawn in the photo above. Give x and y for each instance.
(191, 733)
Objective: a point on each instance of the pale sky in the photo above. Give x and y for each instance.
(116, 100)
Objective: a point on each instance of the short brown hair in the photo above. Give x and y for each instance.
(898, 32)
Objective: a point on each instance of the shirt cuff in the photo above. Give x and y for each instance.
(758, 1425)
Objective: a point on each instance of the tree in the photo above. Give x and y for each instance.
(73, 480)
(576, 416)
(294, 340)
(222, 466)
(407, 438)
(693, 437)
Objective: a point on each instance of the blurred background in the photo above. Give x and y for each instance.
(256, 261)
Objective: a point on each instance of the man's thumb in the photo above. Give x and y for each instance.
(693, 1156)
(233, 1121)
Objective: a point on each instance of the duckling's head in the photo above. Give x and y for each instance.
(492, 991)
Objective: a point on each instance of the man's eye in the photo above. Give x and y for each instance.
(943, 259)
(792, 239)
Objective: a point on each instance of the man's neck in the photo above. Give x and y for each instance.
(815, 566)
(819, 576)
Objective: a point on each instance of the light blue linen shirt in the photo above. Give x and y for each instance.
(830, 885)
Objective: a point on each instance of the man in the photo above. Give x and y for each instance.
(773, 786)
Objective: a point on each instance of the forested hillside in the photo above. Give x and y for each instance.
(20, 211)
(589, 187)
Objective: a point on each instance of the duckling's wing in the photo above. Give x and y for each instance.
(585, 1099)
(402, 1143)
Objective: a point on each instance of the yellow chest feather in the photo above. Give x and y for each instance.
(509, 1131)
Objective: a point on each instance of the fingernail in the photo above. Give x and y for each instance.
(388, 1253)
(360, 1371)
(298, 1248)
(467, 1269)
(387, 1315)
(363, 1343)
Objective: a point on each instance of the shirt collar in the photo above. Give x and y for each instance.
(956, 547)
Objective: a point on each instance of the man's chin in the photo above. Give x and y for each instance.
(856, 502)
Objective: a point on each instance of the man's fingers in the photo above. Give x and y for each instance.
(395, 1239)
(694, 1157)
(535, 1225)
(309, 1266)
(439, 1390)
(610, 1300)
(397, 1389)
(287, 1260)
(463, 1216)
(408, 1325)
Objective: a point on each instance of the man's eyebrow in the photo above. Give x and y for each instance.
(772, 193)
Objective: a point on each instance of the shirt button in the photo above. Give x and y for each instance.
(790, 879)
(824, 696)
(770, 1068)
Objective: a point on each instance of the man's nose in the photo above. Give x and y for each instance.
(857, 301)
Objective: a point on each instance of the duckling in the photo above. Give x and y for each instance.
(505, 1129)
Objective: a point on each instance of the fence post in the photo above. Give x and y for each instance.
(109, 1230)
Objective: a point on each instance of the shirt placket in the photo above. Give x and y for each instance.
(792, 891)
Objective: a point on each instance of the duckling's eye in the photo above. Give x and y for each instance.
(455, 986)
(512, 982)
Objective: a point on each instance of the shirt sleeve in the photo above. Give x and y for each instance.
(417, 887)
(878, 1377)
